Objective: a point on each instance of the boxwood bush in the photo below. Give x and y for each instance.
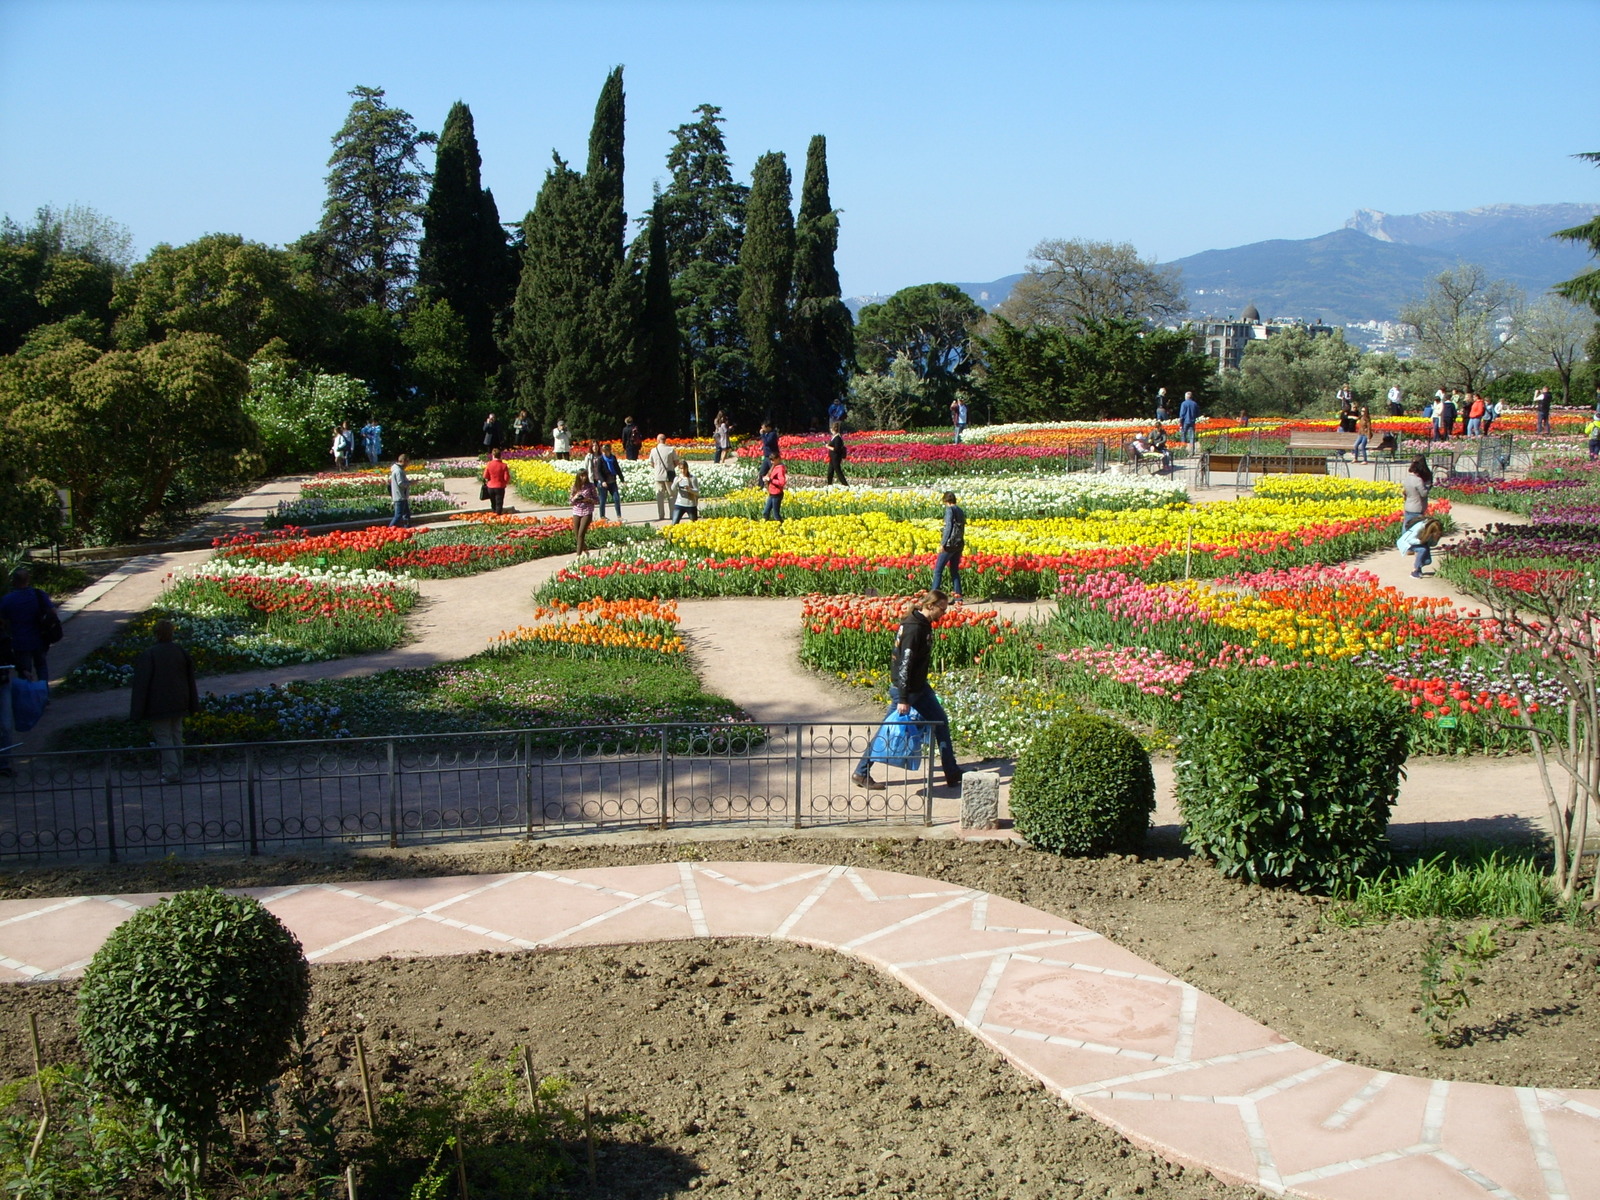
(1288, 776)
(192, 1003)
(1083, 786)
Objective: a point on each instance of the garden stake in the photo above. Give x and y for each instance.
(527, 1075)
(350, 1183)
(461, 1164)
(244, 1127)
(44, 1096)
(588, 1136)
(366, 1083)
(38, 1063)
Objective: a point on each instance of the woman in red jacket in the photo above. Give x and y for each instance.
(496, 476)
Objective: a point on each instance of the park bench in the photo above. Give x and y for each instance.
(1331, 439)
(1245, 465)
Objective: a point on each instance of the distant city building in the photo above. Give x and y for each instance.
(1224, 342)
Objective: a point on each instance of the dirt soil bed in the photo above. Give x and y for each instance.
(1534, 1019)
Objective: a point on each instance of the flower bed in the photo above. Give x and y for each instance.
(1019, 559)
(321, 510)
(548, 482)
(471, 543)
(237, 617)
(1036, 496)
(610, 628)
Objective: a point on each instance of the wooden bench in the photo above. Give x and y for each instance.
(1306, 439)
(1269, 464)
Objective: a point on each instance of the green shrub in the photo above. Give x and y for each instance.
(1083, 786)
(193, 1003)
(1287, 776)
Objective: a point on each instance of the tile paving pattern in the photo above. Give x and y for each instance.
(1118, 1038)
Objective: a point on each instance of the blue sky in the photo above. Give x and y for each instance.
(958, 134)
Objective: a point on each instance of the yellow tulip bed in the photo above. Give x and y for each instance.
(1282, 526)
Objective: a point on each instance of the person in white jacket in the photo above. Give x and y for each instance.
(663, 466)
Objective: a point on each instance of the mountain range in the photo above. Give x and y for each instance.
(1372, 267)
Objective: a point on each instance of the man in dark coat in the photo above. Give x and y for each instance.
(164, 692)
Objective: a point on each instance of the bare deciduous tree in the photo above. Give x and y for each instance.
(1073, 283)
(1552, 335)
(1551, 617)
(1465, 324)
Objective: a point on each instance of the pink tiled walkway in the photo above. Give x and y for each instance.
(1118, 1038)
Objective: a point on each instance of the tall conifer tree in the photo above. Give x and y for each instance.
(703, 215)
(659, 406)
(578, 304)
(465, 258)
(822, 344)
(363, 248)
(767, 263)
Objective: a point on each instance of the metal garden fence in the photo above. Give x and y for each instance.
(254, 798)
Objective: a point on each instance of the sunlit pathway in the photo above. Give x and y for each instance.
(1116, 1037)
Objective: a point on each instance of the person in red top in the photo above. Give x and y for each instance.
(496, 476)
(777, 480)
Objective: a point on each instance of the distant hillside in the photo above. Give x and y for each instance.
(1368, 270)
(1371, 268)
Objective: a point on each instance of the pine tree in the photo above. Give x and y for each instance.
(578, 303)
(703, 217)
(767, 262)
(1584, 288)
(823, 339)
(363, 247)
(660, 396)
(464, 258)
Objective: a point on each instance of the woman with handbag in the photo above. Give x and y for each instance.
(496, 477)
(909, 688)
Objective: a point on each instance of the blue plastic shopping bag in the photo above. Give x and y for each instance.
(899, 741)
(28, 699)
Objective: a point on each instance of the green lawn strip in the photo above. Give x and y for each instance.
(537, 686)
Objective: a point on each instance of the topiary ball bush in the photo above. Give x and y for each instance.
(1287, 776)
(1083, 786)
(192, 1002)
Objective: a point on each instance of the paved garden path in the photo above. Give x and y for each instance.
(1116, 1037)
(747, 650)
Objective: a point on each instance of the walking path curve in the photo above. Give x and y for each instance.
(747, 649)
(1116, 1037)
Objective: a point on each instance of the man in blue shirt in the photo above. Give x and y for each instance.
(1188, 416)
(836, 415)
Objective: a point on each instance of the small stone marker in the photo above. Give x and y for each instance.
(980, 800)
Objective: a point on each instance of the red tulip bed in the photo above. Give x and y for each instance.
(468, 545)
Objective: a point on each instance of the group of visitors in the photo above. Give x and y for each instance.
(1476, 414)
(343, 448)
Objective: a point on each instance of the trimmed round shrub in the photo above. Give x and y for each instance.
(1083, 787)
(192, 1003)
(1288, 776)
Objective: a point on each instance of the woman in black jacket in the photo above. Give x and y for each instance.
(909, 688)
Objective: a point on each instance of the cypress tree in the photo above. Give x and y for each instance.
(577, 309)
(823, 339)
(660, 396)
(464, 258)
(703, 214)
(604, 172)
(767, 263)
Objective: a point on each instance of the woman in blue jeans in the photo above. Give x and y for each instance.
(952, 542)
(909, 688)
